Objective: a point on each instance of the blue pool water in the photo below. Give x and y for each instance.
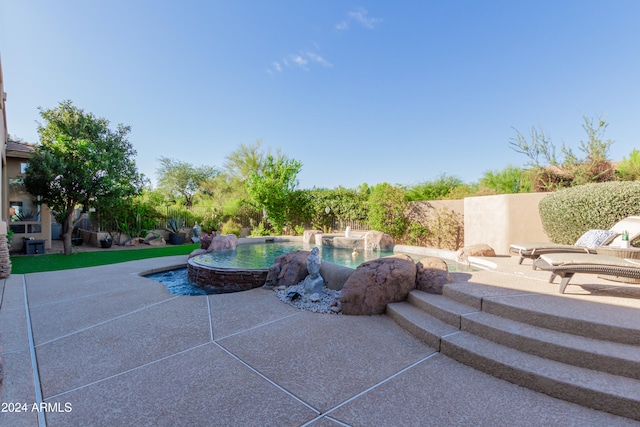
(261, 256)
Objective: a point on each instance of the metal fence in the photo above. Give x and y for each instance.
(188, 217)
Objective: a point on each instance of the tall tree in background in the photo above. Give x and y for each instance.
(180, 181)
(270, 189)
(80, 161)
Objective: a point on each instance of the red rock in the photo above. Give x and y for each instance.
(432, 274)
(376, 283)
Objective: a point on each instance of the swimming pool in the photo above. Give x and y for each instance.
(260, 256)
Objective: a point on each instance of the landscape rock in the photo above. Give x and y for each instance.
(158, 241)
(432, 274)
(481, 249)
(376, 283)
(223, 243)
(313, 283)
(377, 240)
(288, 269)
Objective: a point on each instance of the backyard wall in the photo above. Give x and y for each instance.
(503, 219)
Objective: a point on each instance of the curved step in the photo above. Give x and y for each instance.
(594, 389)
(610, 357)
(426, 328)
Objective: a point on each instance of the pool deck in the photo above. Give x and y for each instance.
(103, 346)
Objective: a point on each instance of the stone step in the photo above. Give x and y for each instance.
(599, 390)
(418, 323)
(605, 356)
(588, 319)
(440, 307)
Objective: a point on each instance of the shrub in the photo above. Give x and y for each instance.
(259, 230)
(387, 205)
(442, 229)
(568, 213)
(231, 227)
(629, 168)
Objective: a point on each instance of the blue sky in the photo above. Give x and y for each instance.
(364, 91)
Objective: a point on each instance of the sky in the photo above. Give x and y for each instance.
(358, 91)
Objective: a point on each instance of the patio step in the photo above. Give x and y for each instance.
(417, 322)
(605, 356)
(594, 389)
(594, 372)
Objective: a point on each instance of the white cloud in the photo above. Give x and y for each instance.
(299, 61)
(277, 66)
(361, 16)
(318, 59)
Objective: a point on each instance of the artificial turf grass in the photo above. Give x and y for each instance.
(24, 264)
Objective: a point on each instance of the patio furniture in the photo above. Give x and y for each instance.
(587, 243)
(565, 265)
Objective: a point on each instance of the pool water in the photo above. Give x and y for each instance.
(262, 255)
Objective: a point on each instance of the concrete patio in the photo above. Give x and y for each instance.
(104, 346)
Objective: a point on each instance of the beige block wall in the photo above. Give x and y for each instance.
(503, 219)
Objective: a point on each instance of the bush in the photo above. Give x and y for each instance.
(442, 229)
(231, 227)
(629, 168)
(387, 205)
(568, 213)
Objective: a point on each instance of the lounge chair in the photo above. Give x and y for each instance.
(565, 265)
(585, 244)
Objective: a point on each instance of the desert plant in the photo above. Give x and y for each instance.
(174, 225)
(568, 213)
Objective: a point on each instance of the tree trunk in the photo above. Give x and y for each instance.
(67, 231)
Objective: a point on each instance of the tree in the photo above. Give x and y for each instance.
(594, 166)
(80, 161)
(181, 180)
(433, 190)
(271, 188)
(245, 160)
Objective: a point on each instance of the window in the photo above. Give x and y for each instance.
(23, 167)
(23, 208)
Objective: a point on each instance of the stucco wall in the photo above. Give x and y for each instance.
(503, 219)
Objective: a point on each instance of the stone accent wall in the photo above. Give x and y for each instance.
(225, 279)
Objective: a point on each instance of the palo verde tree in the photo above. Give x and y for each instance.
(80, 161)
(271, 188)
(180, 181)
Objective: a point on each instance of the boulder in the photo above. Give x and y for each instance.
(223, 243)
(376, 283)
(481, 249)
(157, 241)
(432, 274)
(287, 270)
(309, 236)
(377, 240)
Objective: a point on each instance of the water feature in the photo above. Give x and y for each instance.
(261, 256)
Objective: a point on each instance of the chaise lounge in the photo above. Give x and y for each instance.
(565, 265)
(586, 244)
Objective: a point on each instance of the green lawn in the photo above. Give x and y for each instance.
(51, 262)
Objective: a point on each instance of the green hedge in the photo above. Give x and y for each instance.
(568, 213)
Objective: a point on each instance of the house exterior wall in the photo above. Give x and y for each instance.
(502, 220)
(4, 135)
(39, 228)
